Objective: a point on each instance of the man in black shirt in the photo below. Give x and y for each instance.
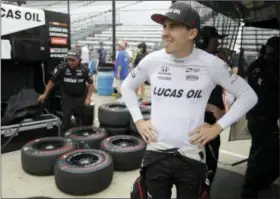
(208, 40)
(263, 77)
(76, 86)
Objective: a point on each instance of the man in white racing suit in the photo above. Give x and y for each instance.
(182, 78)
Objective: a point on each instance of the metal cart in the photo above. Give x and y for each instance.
(47, 121)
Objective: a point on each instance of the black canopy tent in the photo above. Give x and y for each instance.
(261, 14)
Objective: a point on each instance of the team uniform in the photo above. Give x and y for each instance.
(73, 88)
(180, 89)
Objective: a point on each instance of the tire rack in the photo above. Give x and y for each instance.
(9, 130)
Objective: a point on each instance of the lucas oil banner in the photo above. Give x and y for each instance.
(15, 18)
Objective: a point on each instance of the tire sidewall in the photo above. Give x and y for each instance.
(104, 161)
(107, 144)
(29, 149)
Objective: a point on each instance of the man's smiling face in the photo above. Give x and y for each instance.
(176, 36)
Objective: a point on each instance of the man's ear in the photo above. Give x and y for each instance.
(193, 34)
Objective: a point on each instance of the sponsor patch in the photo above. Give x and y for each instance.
(164, 77)
(233, 78)
(133, 75)
(195, 70)
(192, 77)
(55, 71)
(227, 67)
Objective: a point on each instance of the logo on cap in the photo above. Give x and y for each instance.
(72, 53)
(173, 10)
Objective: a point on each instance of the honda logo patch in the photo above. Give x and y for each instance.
(164, 69)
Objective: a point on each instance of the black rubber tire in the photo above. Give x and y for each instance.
(86, 136)
(146, 105)
(41, 162)
(146, 116)
(109, 116)
(125, 158)
(112, 131)
(84, 180)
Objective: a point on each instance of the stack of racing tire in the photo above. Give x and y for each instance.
(114, 118)
(83, 162)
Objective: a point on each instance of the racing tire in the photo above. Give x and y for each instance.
(114, 115)
(146, 116)
(127, 151)
(146, 105)
(112, 131)
(87, 137)
(38, 157)
(83, 172)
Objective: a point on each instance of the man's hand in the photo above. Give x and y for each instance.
(205, 134)
(42, 98)
(146, 130)
(217, 112)
(87, 101)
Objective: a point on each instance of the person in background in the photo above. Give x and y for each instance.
(129, 53)
(76, 86)
(262, 51)
(263, 77)
(208, 41)
(78, 46)
(85, 55)
(142, 52)
(102, 53)
(93, 69)
(121, 66)
(234, 62)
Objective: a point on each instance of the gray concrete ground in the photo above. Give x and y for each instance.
(17, 184)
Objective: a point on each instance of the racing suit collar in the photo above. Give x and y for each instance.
(184, 59)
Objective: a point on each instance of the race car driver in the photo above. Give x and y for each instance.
(76, 86)
(208, 40)
(182, 79)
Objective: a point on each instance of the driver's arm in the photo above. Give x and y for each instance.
(245, 96)
(137, 77)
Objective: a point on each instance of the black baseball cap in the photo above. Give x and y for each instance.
(74, 53)
(273, 42)
(272, 47)
(180, 12)
(211, 32)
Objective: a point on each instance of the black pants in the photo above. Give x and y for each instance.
(164, 170)
(212, 159)
(263, 168)
(75, 106)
